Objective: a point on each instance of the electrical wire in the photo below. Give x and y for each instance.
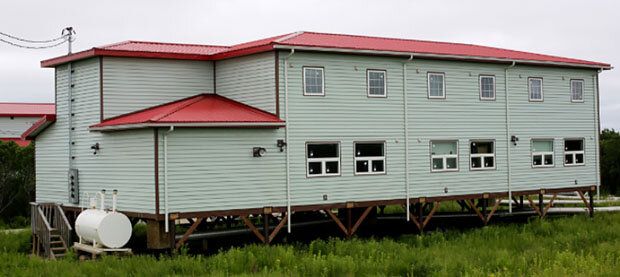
(32, 41)
(33, 47)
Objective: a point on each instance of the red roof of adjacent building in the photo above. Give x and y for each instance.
(19, 141)
(27, 109)
(204, 110)
(324, 42)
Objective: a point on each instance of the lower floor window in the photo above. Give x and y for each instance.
(482, 154)
(323, 159)
(542, 153)
(444, 156)
(369, 158)
(573, 152)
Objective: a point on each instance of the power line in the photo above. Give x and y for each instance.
(33, 47)
(32, 41)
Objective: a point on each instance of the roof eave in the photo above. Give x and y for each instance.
(122, 127)
(38, 127)
(439, 56)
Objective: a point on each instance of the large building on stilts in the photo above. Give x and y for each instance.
(312, 122)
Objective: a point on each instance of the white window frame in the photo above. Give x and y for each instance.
(369, 159)
(323, 161)
(322, 79)
(428, 85)
(572, 81)
(480, 85)
(543, 154)
(482, 157)
(574, 153)
(445, 157)
(529, 89)
(384, 95)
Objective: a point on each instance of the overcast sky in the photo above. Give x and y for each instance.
(587, 30)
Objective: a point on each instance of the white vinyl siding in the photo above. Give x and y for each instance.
(436, 85)
(376, 82)
(314, 81)
(542, 153)
(576, 89)
(535, 86)
(487, 87)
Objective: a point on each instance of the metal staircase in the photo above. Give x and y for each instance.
(51, 231)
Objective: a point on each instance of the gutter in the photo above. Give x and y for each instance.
(507, 102)
(441, 56)
(188, 125)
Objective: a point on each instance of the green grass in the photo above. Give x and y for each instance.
(560, 246)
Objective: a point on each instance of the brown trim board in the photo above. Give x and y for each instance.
(156, 167)
(100, 89)
(277, 83)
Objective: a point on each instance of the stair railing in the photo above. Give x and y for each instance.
(45, 218)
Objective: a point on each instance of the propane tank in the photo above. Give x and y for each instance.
(104, 228)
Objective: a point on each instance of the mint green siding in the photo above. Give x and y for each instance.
(132, 84)
(125, 161)
(249, 80)
(16, 126)
(214, 169)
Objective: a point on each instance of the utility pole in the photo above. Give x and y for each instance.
(69, 32)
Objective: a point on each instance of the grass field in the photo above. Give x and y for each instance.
(559, 246)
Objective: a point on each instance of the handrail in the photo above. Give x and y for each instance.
(42, 216)
(64, 217)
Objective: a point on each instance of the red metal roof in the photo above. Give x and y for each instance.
(19, 141)
(27, 109)
(204, 110)
(381, 45)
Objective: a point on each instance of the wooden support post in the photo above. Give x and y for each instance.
(254, 230)
(488, 218)
(546, 209)
(189, 232)
(360, 220)
(521, 202)
(338, 222)
(540, 203)
(515, 200)
(428, 217)
(275, 231)
(351, 230)
(475, 209)
(349, 223)
(591, 194)
(529, 199)
(171, 233)
(266, 228)
(485, 202)
(421, 217)
(412, 217)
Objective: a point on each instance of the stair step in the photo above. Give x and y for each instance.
(59, 249)
(55, 236)
(56, 242)
(59, 255)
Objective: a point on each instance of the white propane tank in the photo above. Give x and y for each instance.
(110, 229)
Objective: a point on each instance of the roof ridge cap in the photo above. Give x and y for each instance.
(177, 43)
(290, 36)
(190, 101)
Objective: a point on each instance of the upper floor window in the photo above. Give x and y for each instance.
(444, 156)
(376, 83)
(573, 152)
(323, 159)
(436, 85)
(542, 153)
(487, 87)
(482, 155)
(369, 158)
(535, 89)
(576, 90)
(314, 80)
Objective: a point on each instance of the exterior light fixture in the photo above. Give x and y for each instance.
(514, 140)
(259, 151)
(281, 144)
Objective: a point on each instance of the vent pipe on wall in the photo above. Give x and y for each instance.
(406, 114)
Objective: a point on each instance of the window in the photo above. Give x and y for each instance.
(536, 89)
(482, 155)
(314, 81)
(487, 87)
(436, 85)
(369, 158)
(376, 83)
(542, 153)
(573, 152)
(444, 156)
(323, 159)
(576, 90)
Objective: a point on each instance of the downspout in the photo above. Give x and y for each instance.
(166, 176)
(406, 108)
(70, 121)
(286, 138)
(507, 102)
(597, 120)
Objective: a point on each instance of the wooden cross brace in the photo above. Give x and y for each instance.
(422, 222)
(487, 218)
(351, 230)
(260, 236)
(588, 205)
(543, 210)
